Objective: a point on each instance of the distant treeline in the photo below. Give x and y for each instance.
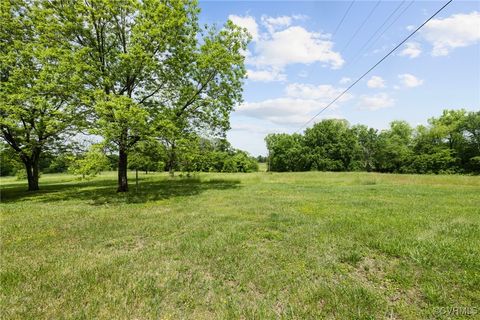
(195, 154)
(448, 144)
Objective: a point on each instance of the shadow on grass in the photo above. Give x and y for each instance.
(103, 191)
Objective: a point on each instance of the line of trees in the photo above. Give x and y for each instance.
(196, 154)
(123, 70)
(199, 154)
(448, 144)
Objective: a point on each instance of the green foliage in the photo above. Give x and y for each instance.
(365, 147)
(450, 144)
(9, 163)
(40, 96)
(240, 161)
(56, 162)
(287, 153)
(438, 162)
(217, 155)
(332, 145)
(261, 159)
(148, 155)
(125, 69)
(120, 120)
(21, 175)
(91, 163)
(148, 66)
(475, 163)
(394, 147)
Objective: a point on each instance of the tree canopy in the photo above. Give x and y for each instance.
(132, 68)
(40, 96)
(449, 144)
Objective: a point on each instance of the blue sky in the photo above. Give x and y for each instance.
(297, 63)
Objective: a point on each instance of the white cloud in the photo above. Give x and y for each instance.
(296, 45)
(411, 27)
(323, 92)
(266, 75)
(280, 110)
(300, 17)
(247, 22)
(409, 80)
(376, 101)
(282, 43)
(298, 105)
(274, 23)
(345, 80)
(277, 21)
(411, 49)
(458, 30)
(376, 82)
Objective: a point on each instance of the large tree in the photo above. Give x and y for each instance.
(40, 91)
(147, 61)
(332, 144)
(209, 86)
(287, 152)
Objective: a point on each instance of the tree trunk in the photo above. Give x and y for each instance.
(172, 160)
(136, 180)
(31, 166)
(122, 171)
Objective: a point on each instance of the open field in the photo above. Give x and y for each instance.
(253, 246)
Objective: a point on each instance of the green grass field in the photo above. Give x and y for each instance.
(250, 246)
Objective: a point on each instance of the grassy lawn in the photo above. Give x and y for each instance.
(252, 246)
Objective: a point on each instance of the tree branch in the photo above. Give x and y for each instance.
(151, 94)
(197, 93)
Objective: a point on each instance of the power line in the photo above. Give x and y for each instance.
(388, 27)
(378, 29)
(343, 18)
(374, 66)
(361, 26)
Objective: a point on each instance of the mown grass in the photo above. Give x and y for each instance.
(252, 246)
